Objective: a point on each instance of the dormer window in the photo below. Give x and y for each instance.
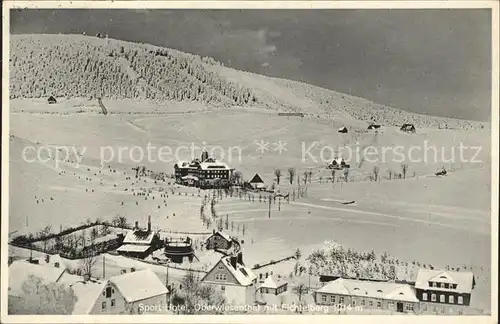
(379, 291)
(441, 285)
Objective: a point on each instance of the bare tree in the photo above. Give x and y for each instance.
(346, 174)
(306, 174)
(46, 231)
(375, 171)
(291, 174)
(389, 172)
(94, 233)
(237, 177)
(404, 169)
(300, 290)
(277, 173)
(120, 221)
(88, 261)
(333, 175)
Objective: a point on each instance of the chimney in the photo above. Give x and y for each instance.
(233, 261)
(271, 273)
(149, 223)
(260, 276)
(267, 275)
(240, 258)
(213, 231)
(136, 225)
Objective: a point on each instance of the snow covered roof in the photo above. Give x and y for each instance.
(271, 282)
(20, 271)
(256, 179)
(225, 235)
(214, 166)
(53, 260)
(464, 280)
(132, 248)
(370, 289)
(139, 285)
(139, 237)
(86, 292)
(243, 275)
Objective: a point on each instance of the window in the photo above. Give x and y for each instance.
(221, 277)
(363, 302)
(460, 312)
(341, 300)
(446, 286)
(451, 299)
(424, 307)
(353, 302)
(108, 292)
(442, 298)
(409, 307)
(332, 299)
(460, 300)
(112, 302)
(223, 288)
(442, 310)
(371, 303)
(424, 296)
(433, 297)
(442, 285)
(220, 267)
(323, 298)
(103, 305)
(379, 304)
(390, 304)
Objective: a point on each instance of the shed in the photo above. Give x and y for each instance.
(343, 130)
(52, 100)
(409, 128)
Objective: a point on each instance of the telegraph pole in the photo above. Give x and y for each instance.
(103, 267)
(270, 206)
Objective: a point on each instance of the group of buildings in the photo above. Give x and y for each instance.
(127, 293)
(434, 292)
(209, 173)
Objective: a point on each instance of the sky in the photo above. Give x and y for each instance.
(429, 61)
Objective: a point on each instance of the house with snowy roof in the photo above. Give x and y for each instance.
(23, 270)
(270, 284)
(128, 293)
(139, 243)
(369, 295)
(444, 291)
(236, 281)
(257, 183)
(219, 240)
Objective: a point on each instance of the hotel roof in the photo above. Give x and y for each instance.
(464, 280)
(371, 289)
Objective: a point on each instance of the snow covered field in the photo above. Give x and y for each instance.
(437, 221)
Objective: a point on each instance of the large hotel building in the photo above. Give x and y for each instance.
(204, 172)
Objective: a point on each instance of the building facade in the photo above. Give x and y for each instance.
(444, 292)
(236, 281)
(205, 173)
(219, 240)
(369, 295)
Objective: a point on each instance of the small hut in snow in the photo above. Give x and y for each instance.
(52, 100)
(257, 182)
(373, 126)
(343, 130)
(409, 128)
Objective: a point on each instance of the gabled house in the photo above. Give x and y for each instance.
(236, 281)
(439, 288)
(409, 128)
(52, 100)
(343, 130)
(22, 270)
(219, 240)
(127, 293)
(257, 183)
(139, 243)
(271, 284)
